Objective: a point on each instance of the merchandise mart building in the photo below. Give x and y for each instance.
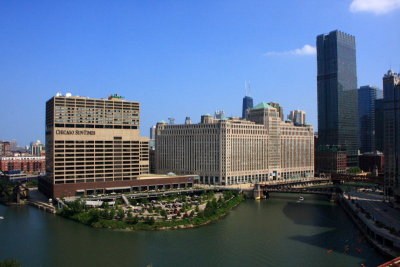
(93, 145)
(235, 151)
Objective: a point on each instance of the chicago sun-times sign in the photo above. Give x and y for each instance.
(75, 132)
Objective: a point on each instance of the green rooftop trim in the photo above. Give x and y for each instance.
(208, 114)
(262, 105)
(162, 122)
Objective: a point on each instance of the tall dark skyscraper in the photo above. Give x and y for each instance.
(366, 112)
(247, 104)
(337, 93)
(391, 113)
(379, 118)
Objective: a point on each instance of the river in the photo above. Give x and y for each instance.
(274, 232)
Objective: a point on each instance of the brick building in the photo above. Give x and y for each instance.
(23, 163)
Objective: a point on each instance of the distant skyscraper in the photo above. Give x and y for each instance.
(391, 105)
(219, 114)
(171, 121)
(279, 108)
(152, 141)
(13, 144)
(5, 148)
(379, 128)
(247, 104)
(188, 120)
(366, 112)
(36, 148)
(337, 93)
(298, 117)
(152, 132)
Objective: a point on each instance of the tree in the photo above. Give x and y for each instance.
(163, 213)
(111, 214)
(120, 213)
(10, 263)
(149, 220)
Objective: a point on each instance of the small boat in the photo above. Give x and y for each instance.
(330, 251)
(301, 198)
(258, 198)
(1, 218)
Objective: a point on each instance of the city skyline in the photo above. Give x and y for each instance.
(189, 53)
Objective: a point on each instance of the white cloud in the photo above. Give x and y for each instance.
(374, 6)
(304, 51)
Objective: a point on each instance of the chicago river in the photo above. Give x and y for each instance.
(280, 231)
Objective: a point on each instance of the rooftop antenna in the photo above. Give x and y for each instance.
(247, 87)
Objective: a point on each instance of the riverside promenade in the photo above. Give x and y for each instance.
(379, 222)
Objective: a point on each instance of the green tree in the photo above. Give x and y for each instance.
(120, 214)
(10, 263)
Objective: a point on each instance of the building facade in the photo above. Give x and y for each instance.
(330, 159)
(372, 162)
(391, 105)
(92, 144)
(5, 148)
(279, 108)
(247, 104)
(298, 117)
(23, 163)
(366, 112)
(234, 151)
(36, 148)
(337, 93)
(379, 125)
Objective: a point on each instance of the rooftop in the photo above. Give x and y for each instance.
(262, 105)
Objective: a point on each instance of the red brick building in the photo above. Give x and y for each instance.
(23, 163)
(330, 159)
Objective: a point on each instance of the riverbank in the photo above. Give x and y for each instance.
(184, 215)
(381, 238)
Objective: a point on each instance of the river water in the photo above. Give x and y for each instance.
(274, 232)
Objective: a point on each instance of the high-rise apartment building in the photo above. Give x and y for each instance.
(233, 151)
(391, 104)
(298, 117)
(92, 145)
(337, 93)
(5, 148)
(247, 104)
(36, 148)
(366, 112)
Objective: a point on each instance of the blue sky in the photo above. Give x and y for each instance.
(180, 58)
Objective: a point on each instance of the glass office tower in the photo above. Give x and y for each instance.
(391, 114)
(337, 93)
(247, 104)
(379, 119)
(366, 111)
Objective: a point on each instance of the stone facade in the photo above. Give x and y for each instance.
(234, 151)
